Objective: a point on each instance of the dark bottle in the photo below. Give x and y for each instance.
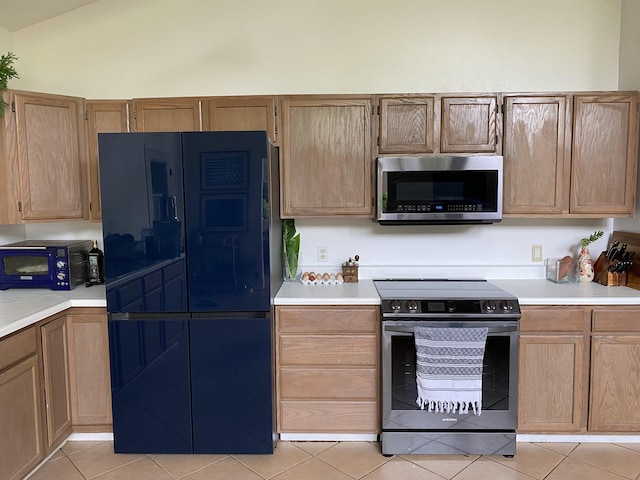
(96, 264)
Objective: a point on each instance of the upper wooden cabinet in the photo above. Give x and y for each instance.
(406, 124)
(469, 124)
(537, 133)
(103, 116)
(604, 154)
(167, 114)
(570, 155)
(241, 113)
(43, 159)
(326, 158)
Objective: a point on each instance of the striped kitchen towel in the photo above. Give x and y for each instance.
(449, 368)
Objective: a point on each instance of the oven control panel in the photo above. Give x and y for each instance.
(447, 308)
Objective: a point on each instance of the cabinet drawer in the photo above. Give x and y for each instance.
(17, 346)
(328, 350)
(554, 318)
(330, 417)
(328, 319)
(616, 320)
(328, 383)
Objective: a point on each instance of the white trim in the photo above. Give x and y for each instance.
(90, 437)
(329, 437)
(578, 438)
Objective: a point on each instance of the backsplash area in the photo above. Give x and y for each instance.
(501, 250)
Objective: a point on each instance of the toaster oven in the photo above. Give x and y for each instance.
(52, 264)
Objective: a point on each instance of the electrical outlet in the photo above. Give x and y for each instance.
(323, 254)
(536, 253)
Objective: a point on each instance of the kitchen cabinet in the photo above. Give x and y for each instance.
(570, 155)
(43, 158)
(55, 355)
(326, 160)
(103, 116)
(241, 113)
(615, 371)
(167, 114)
(469, 124)
(553, 370)
(537, 142)
(604, 154)
(89, 376)
(20, 405)
(406, 124)
(327, 378)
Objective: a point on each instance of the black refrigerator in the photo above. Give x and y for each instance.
(192, 257)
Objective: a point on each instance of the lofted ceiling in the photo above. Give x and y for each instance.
(18, 14)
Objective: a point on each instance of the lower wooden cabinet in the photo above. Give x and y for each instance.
(89, 369)
(21, 423)
(55, 354)
(579, 369)
(553, 370)
(327, 376)
(615, 371)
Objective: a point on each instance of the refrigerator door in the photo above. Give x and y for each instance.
(231, 382)
(227, 224)
(150, 384)
(143, 221)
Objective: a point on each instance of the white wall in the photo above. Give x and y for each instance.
(630, 80)
(5, 41)
(146, 48)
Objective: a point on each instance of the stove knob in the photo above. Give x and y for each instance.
(506, 307)
(412, 305)
(395, 305)
(490, 306)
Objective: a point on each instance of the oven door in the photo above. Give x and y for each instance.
(33, 267)
(400, 411)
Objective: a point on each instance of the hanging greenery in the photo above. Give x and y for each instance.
(7, 72)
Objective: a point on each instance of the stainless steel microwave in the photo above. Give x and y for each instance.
(439, 190)
(52, 264)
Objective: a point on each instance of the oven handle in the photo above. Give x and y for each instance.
(410, 329)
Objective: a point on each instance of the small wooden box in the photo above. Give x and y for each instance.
(350, 273)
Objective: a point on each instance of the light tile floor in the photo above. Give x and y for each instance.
(82, 460)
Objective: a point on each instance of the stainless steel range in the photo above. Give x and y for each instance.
(408, 429)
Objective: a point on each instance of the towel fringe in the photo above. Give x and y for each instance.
(450, 406)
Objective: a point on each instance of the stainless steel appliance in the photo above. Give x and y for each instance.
(439, 190)
(407, 429)
(52, 264)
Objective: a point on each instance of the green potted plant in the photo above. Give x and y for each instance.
(584, 259)
(290, 250)
(7, 72)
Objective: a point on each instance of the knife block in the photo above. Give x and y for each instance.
(603, 276)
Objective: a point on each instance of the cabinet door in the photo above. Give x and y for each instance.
(553, 370)
(89, 369)
(551, 388)
(536, 155)
(241, 113)
(20, 419)
(406, 124)
(56, 379)
(103, 116)
(50, 148)
(167, 115)
(604, 154)
(469, 125)
(326, 157)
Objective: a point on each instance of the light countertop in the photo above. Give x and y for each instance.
(529, 292)
(20, 308)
